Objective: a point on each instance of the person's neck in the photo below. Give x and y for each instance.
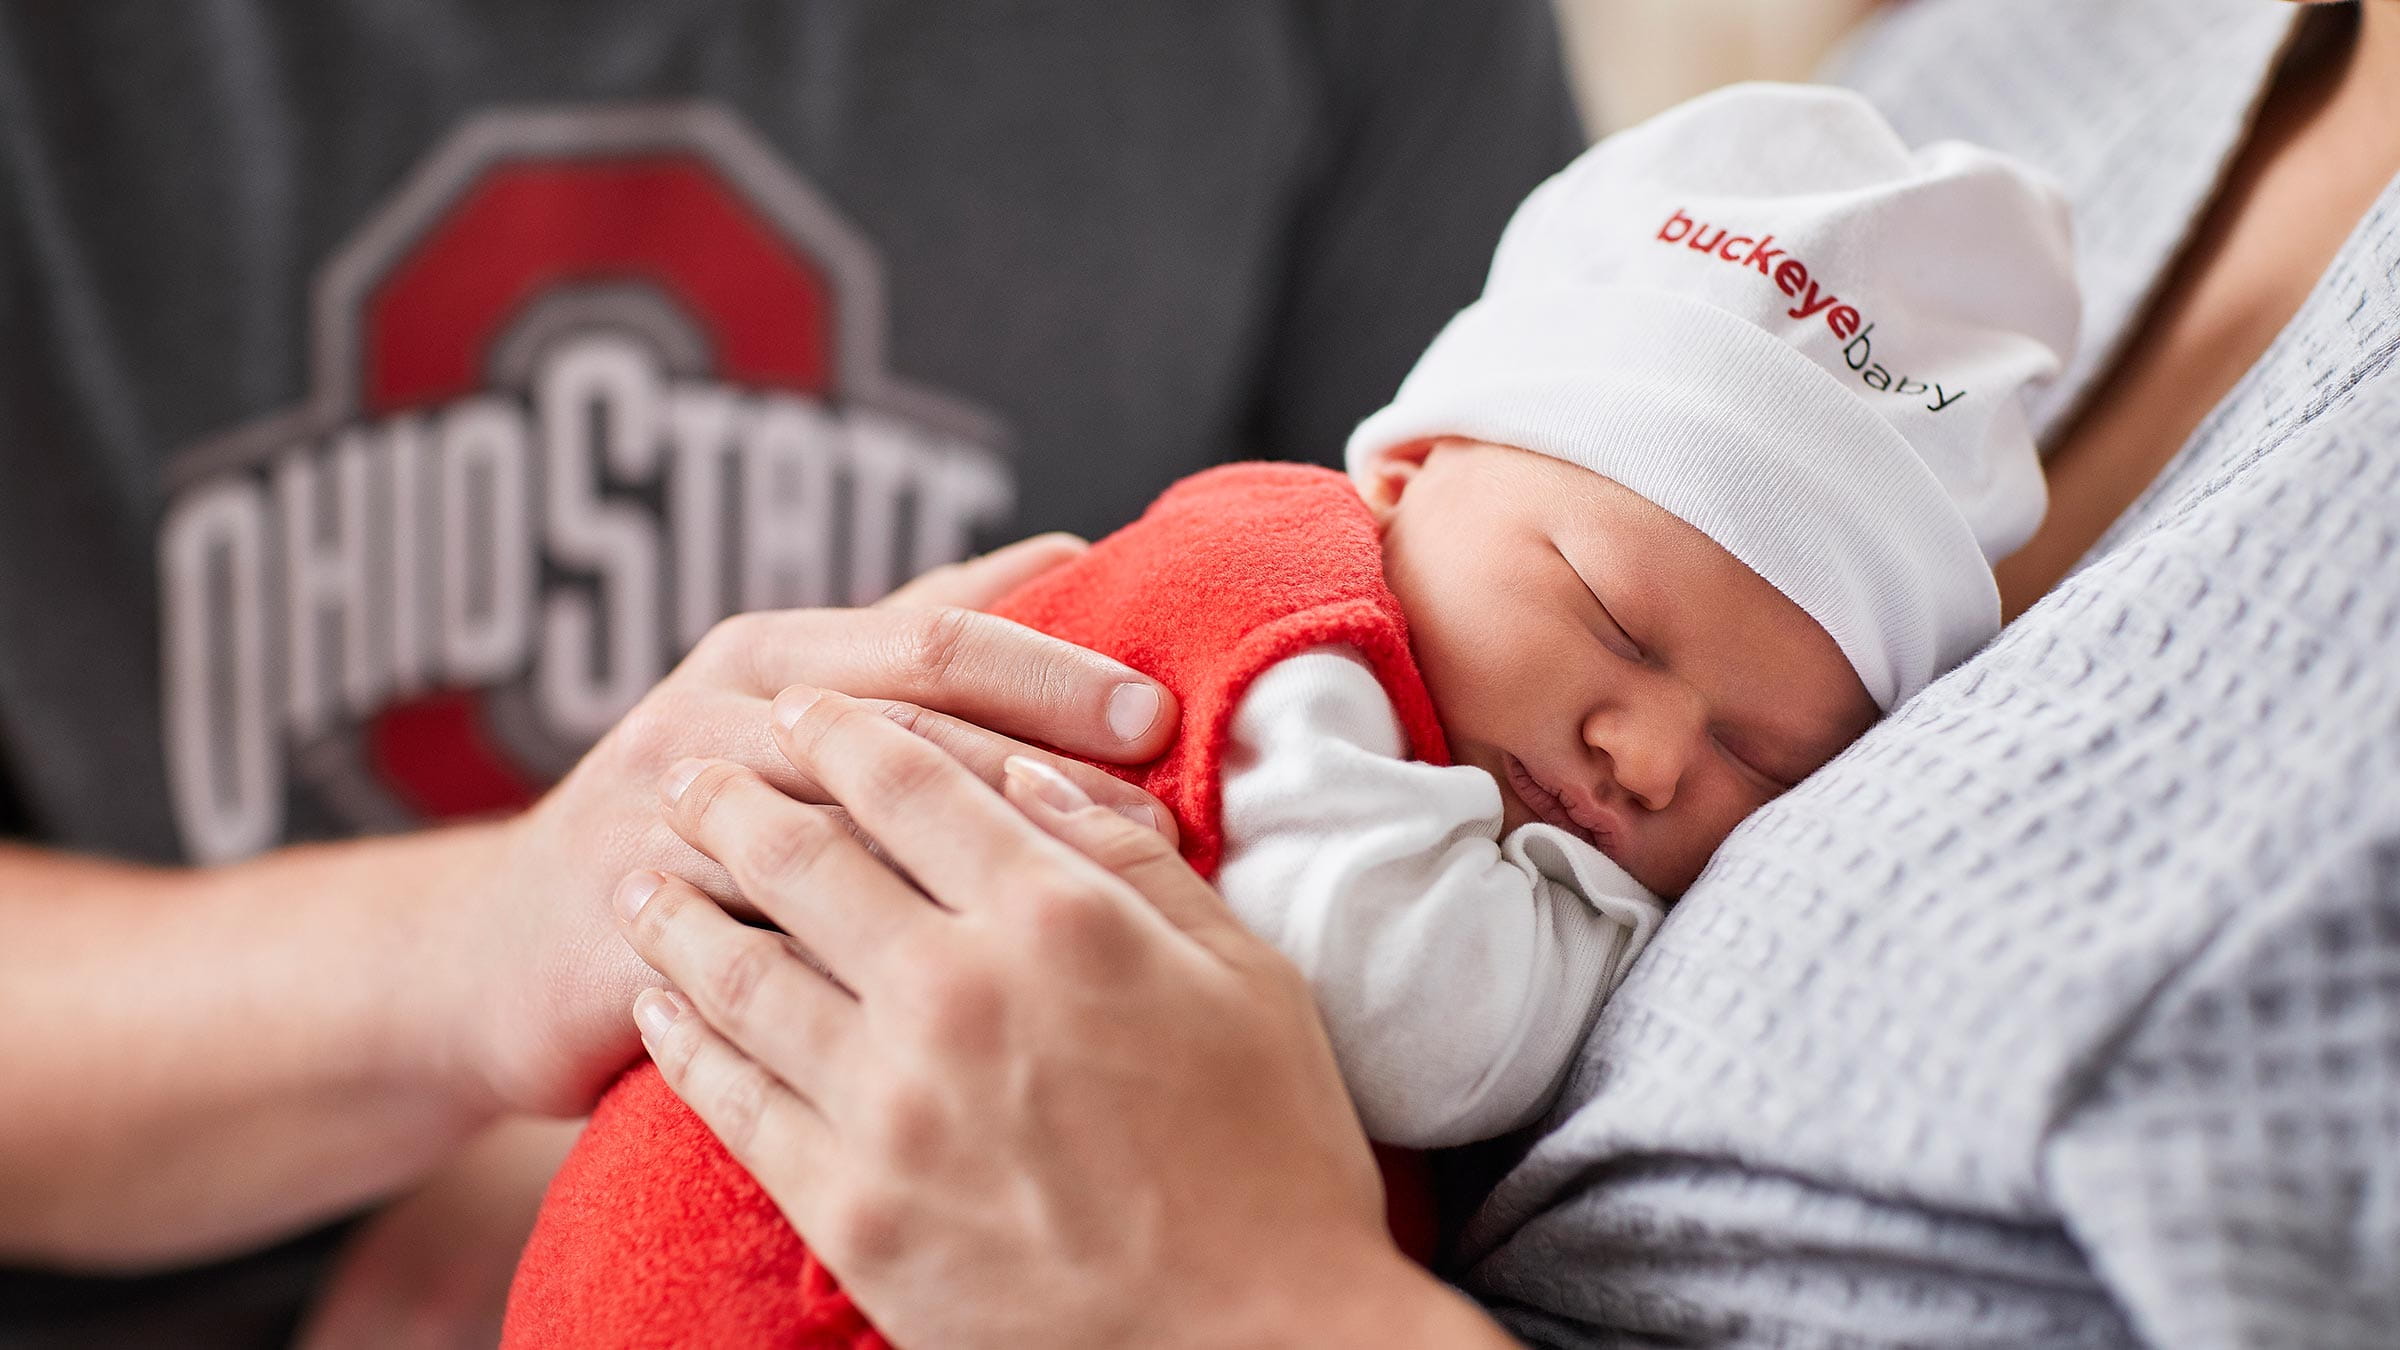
(2339, 93)
(2376, 63)
(2379, 37)
(2364, 62)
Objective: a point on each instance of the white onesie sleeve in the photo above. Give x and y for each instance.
(1456, 971)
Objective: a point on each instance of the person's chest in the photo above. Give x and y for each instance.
(389, 398)
(2319, 152)
(990, 206)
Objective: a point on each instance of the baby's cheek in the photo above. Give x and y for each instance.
(1670, 873)
(1464, 649)
(1697, 837)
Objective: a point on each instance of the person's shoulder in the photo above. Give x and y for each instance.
(2035, 77)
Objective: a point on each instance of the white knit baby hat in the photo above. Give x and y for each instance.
(1764, 313)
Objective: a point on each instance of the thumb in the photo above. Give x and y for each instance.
(1141, 857)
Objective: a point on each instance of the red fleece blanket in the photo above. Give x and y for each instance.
(653, 1236)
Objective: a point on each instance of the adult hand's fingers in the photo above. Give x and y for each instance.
(1143, 858)
(979, 582)
(988, 671)
(929, 815)
(736, 727)
(753, 985)
(986, 755)
(543, 1019)
(1188, 1100)
(773, 1131)
(802, 868)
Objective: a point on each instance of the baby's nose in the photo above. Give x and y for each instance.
(1650, 739)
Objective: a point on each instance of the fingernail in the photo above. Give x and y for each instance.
(634, 892)
(1053, 787)
(1142, 815)
(680, 777)
(1132, 711)
(791, 703)
(655, 1011)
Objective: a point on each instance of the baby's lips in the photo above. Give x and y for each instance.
(1598, 821)
(1595, 824)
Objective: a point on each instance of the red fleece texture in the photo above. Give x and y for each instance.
(653, 1236)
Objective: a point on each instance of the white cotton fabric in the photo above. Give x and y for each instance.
(1831, 389)
(1456, 970)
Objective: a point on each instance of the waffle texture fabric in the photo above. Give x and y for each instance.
(2064, 1009)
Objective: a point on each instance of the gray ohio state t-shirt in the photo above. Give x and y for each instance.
(390, 392)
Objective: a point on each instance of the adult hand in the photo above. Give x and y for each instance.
(294, 1036)
(539, 986)
(1057, 1096)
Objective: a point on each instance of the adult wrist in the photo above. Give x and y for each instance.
(443, 993)
(536, 983)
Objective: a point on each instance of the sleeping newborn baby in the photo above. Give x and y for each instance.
(1710, 477)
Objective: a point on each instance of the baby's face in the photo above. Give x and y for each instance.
(1620, 674)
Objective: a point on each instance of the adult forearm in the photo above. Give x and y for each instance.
(201, 1060)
